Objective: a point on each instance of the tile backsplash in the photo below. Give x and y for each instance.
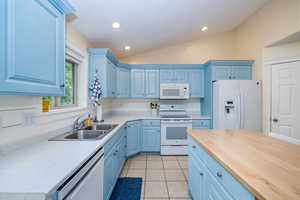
(143, 105)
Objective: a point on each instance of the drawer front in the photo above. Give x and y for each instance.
(201, 124)
(151, 123)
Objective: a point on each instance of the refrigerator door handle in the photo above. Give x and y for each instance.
(239, 112)
(242, 111)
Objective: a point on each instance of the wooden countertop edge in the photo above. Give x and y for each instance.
(257, 194)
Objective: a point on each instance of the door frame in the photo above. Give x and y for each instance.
(267, 74)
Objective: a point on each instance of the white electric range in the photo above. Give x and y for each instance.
(174, 124)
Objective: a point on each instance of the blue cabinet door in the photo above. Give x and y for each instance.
(112, 83)
(32, 60)
(180, 76)
(110, 173)
(196, 81)
(99, 64)
(123, 83)
(197, 178)
(215, 191)
(133, 138)
(241, 73)
(138, 83)
(151, 139)
(152, 83)
(221, 73)
(166, 76)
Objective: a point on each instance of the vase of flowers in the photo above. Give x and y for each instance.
(96, 94)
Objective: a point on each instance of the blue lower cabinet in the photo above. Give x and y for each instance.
(202, 124)
(151, 140)
(110, 171)
(197, 179)
(114, 159)
(133, 137)
(210, 180)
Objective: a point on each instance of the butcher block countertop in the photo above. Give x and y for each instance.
(268, 167)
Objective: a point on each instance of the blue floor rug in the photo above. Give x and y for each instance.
(127, 189)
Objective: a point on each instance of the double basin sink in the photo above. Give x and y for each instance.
(96, 132)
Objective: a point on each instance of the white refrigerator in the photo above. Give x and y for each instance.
(237, 104)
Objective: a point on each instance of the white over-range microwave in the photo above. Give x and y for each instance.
(174, 91)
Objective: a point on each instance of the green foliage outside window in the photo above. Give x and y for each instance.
(69, 84)
(70, 87)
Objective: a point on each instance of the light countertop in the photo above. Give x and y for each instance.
(34, 172)
(268, 167)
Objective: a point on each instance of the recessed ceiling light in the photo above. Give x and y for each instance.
(204, 28)
(127, 48)
(116, 25)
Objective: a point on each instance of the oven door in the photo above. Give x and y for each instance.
(174, 132)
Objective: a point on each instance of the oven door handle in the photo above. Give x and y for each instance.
(176, 122)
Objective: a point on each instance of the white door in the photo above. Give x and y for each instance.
(285, 109)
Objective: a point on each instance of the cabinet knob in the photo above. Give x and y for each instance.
(114, 154)
(194, 147)
(201, 174)
(219, 174)
(275, 120)
(229, 77)
(62, 85)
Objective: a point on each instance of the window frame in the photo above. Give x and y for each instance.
(56, 99)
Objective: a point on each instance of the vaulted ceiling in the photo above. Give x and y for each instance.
(152, 24)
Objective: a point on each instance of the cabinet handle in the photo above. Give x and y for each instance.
(62, 85)
(201, 174)
(219, 174)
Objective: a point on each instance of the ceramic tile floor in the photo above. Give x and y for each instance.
(164, 177)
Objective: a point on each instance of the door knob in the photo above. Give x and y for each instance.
(275, 120)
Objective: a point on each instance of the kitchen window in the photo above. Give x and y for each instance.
(71, 86)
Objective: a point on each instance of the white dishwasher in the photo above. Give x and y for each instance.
(86, 182)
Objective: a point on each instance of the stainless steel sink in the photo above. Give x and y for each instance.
(99, 131)
(104, 127)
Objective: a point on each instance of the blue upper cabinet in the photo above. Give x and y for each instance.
(231, 70)
(152, 83)
(196, 81)
(138, 83)
(144, 83)
(123, 83)
(173, 76)
(32, 57)
(241, 73)
(223, 70)
(101, 63)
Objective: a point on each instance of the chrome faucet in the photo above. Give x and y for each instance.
(77, 125)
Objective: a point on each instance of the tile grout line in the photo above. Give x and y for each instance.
(165, 176)
(182, 170)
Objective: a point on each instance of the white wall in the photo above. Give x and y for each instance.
(219, 46)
